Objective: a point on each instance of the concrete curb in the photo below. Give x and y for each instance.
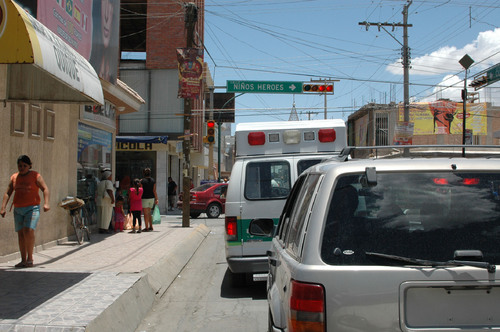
(126, 313)
(163, 272)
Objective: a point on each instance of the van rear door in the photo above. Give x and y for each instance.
(266, 184)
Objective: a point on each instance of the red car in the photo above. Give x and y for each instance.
(209, 198)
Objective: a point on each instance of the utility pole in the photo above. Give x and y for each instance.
(405, 53)
(190, 18)
(406, 64)
(211, 145)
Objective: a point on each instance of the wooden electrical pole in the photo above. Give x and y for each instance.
(190, 18)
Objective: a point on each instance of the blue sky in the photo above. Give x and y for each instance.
(292, 40)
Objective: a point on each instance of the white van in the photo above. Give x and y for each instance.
(269, 158)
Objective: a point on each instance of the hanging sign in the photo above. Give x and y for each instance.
(190, 63)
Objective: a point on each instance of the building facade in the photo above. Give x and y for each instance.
(152, 70)
(59, 97)
(431, 123)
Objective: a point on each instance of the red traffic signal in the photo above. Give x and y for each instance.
(211, 131)
(317, 87)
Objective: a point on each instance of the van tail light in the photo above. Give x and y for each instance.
(193, 197)
(256, 138)
(307, 307)
(327, 135)
(231, 228)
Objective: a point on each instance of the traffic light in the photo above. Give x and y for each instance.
(211, 131)
(317, 87)
(479, 82)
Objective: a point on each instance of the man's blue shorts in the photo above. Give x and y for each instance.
(26, 217)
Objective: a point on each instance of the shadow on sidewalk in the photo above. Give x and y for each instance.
(22, 291)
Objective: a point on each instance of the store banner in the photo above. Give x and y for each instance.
(94, 146)
(25, 40)
(445, 117)
(190, 64)
(90, 27)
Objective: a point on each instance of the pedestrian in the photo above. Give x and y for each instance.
(26, 185)
(105, 201)
(149, 198)
(119, 215)
(135, 203)
(172, 193)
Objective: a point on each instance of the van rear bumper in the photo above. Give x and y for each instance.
(253, 264)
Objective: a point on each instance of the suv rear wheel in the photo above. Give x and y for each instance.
(213, 210)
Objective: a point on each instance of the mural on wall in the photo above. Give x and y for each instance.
(446, 117)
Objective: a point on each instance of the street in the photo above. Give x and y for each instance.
(202, 298)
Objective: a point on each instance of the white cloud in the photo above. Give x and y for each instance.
(445, 60)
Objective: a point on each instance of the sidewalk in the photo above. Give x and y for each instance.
(108, 284)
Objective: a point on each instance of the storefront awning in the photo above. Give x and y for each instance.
(42, 67)
(142, 139)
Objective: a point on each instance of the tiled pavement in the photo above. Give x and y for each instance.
(105, 285)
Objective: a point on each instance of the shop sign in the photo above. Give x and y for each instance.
(102, 114)
(133, 146)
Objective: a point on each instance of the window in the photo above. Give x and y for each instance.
(300, 213)
(267, 180)
(34, 121)
(17, 125)
(284, 223)
(381, 129)
(429, 217)
(304, 164)
(50, 123)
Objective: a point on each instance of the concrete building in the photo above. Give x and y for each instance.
(59, 96)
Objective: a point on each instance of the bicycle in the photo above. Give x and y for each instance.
(89, 213)
(74, 206)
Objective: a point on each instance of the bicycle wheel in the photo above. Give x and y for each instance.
(86, 222)
(77, 225)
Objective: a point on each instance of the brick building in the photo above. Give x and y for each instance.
(151, 32)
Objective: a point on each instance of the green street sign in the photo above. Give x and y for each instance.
(493, 74)
(264, 87)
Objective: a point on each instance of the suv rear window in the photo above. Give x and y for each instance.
(415, 215)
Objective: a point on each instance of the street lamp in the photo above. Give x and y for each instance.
(466, 62)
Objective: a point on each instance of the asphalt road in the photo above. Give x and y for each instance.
(202, 297)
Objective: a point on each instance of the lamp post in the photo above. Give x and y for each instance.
(466, 62)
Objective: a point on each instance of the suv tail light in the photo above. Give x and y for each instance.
(307, 307)
(231, 228)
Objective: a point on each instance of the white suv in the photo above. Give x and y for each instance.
(403, 244)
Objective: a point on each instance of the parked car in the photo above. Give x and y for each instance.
(401, 244)
(209, 198)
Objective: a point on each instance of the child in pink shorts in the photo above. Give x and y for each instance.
(119, 215)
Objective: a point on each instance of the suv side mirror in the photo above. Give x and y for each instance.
(261, 227)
